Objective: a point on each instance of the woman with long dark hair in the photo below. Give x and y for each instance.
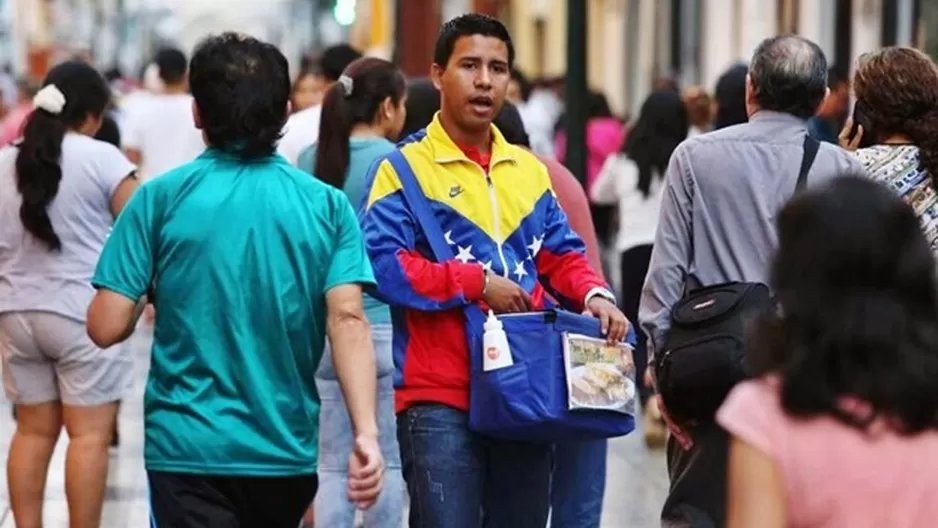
(361, 115)
(897, 93)
(62, 190)
(840, 425)
(633, 180)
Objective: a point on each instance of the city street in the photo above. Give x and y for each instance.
(636, 479)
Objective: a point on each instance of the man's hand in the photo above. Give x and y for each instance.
(365, 472)
(612, 321)
(504, 296)
(847, 142)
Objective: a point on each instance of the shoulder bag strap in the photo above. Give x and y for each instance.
(811, 147)
(420, 207)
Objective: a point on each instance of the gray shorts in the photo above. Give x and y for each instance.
(47, 357)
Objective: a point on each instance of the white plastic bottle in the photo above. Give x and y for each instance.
(495, 344)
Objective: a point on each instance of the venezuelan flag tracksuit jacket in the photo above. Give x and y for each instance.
(507, 221)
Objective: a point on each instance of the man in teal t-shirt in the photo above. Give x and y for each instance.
(251, 264)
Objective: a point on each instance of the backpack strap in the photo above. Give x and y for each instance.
(811, 147)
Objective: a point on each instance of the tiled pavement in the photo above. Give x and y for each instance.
(636, 479)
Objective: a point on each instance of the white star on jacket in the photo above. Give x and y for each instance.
(519, 270)
(465, 254)
(487, 265)
(535, 247)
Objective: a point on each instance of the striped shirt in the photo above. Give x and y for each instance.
(900, 168)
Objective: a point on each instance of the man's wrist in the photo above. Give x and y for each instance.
(602, 293)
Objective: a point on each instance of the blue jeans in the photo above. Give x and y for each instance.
(458, 479)
(578, 484)
(332, 507)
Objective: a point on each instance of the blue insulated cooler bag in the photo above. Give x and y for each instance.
(528, 400)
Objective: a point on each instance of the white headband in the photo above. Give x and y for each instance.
(347, 85)
(50, 99)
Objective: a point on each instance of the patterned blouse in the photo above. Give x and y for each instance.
(899, 167)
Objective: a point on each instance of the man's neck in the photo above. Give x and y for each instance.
(481, 140)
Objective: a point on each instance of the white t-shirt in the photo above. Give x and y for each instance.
(617, 183)
(164, 132)
(301, 131)
(33, 278)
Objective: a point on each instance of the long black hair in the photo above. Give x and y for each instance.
(662, 124)
(38, 169)
(855, 280)
(354, 99)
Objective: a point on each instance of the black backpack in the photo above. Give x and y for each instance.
(704, 355)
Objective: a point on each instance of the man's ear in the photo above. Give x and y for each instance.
(436, 74)
(195, 115)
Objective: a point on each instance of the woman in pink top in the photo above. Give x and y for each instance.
(840, 428)
(605, 135)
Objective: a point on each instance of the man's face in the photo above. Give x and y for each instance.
(474, 82)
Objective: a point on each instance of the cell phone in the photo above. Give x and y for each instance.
(861, 119)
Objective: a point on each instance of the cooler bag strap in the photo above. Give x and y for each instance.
(420, 207)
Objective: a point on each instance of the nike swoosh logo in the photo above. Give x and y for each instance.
(455, 191)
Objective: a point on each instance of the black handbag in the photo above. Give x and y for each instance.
(704, 355)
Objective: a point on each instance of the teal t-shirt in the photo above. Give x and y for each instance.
(363, 151)
(241, 256)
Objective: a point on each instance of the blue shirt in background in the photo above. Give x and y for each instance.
(242, 255)
(363, 151)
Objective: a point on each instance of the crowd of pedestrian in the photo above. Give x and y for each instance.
(316, 257)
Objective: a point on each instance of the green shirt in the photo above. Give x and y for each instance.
(241, 255)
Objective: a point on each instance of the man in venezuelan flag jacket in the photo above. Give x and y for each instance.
(512, 245)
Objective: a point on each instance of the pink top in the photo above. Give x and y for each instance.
(604, 137)
(836, 476)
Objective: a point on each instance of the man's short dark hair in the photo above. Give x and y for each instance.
(466, 26)
(523, 83)
(241, 87)
(172, 65)
(335, 59)
(789, 74)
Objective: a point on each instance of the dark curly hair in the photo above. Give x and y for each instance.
(897, 89)
(858, 318)
(241, 87)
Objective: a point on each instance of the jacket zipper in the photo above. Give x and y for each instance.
(498, 227)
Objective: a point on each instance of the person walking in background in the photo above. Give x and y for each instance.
(231, 416)
(730, 97)
(605, 135)
(62, 190)
(456, 477)
(309, 88)
(633, 180)
(897, 94)
(721, 193)
(302, 129)
(362, 113)
(845, 371)
(834, 111)
(162, 136)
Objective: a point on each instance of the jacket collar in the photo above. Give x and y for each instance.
(446, 151)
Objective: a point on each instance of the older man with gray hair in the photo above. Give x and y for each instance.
(723, 190)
